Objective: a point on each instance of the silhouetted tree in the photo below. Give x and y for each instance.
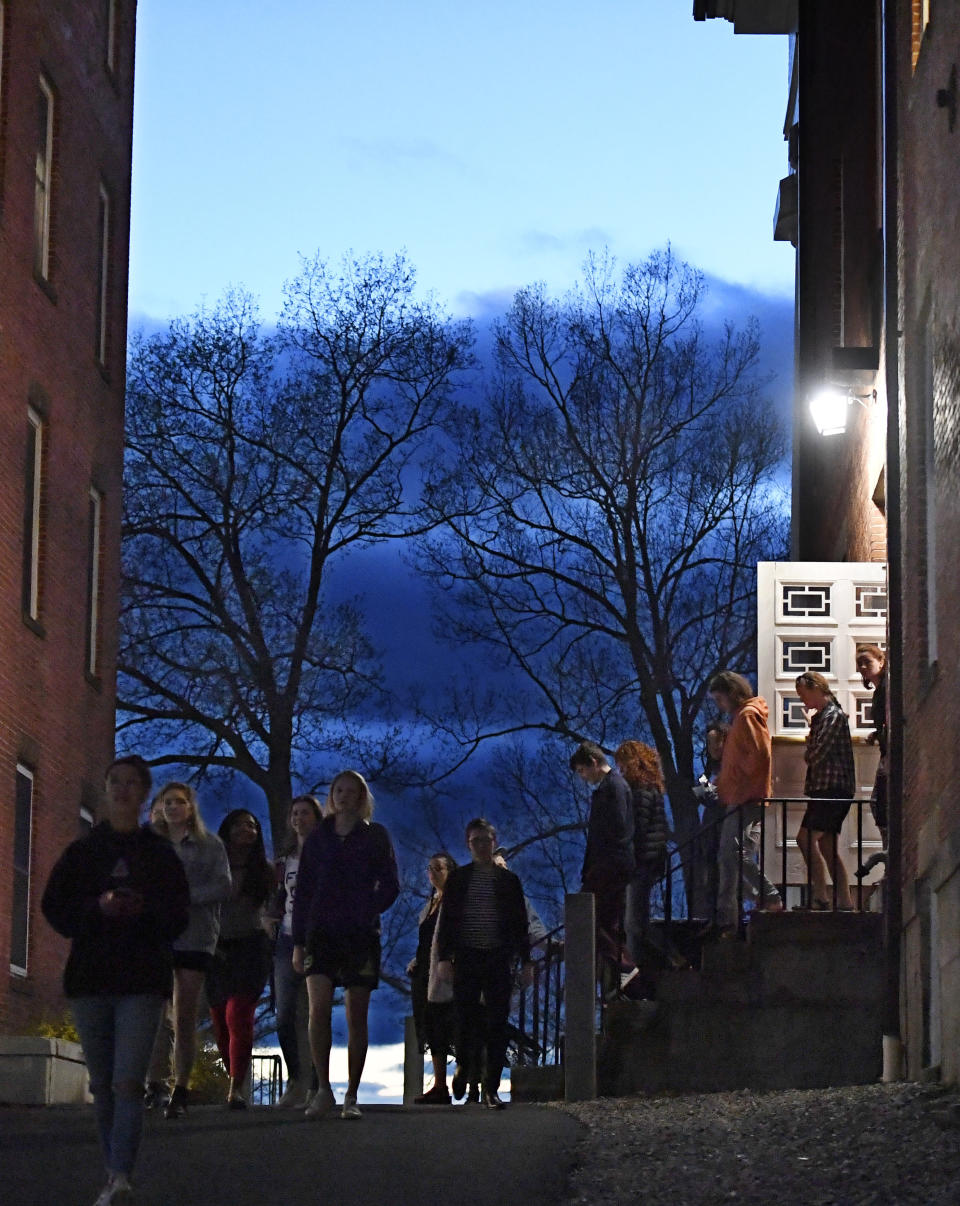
(254, 465)
(602, 513)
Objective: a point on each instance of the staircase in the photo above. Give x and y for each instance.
(797, 1005)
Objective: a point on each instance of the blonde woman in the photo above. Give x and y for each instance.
(205, 862)
(831, 784)
(347, 878)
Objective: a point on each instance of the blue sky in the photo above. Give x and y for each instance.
(497, 143)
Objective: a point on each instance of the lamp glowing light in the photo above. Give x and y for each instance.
(829, 410)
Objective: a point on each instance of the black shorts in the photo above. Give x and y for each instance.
(825, 816)
(347, 960)
(194, 960)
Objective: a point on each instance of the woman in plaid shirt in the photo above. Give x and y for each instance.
(830, 784)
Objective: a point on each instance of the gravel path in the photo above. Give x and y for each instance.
(876, 1144)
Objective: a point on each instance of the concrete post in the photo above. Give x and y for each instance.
(412, 1063)
(580, 995)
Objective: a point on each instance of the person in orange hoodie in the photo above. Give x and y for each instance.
(742, 785)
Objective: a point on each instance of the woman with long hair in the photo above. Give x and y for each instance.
(121, 896)
(241, 963)
(640, 766)
(289, 985)
(433, 1011)
(347, 878)
(831, 783)
(208, 874)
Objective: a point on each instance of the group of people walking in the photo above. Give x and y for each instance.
(170, 910)
(740, 770)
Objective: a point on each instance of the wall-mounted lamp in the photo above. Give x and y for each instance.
(830, 407)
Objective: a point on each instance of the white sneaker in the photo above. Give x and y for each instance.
(121, 1194)
(350, 1108)
(106, 1193)
(295, 1097)
(321, 1103)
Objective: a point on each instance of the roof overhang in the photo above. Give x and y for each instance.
(751, 16)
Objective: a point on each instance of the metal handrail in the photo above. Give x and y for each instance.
(683, 859)
(266, 1079)
(543, 1000)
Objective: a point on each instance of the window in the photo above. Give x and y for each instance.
(103, 270)
(2, 15)
(920, 19)
(110, 50)
(94, 508)
(43, 182)
(20, 913)
(33, 493)
(930, 495)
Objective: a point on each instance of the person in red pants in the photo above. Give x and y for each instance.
(241, 962)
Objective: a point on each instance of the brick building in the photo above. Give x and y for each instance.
(66, 113)
(872, 205)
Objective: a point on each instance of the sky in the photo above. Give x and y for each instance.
(497, 143)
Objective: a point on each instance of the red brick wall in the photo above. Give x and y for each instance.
(930, 380)
(930, 282)
(52, 716)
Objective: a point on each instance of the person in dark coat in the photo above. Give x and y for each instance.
(432, 1000)
(609, 860)
(481, 933)
(241, 963)
(120, 894)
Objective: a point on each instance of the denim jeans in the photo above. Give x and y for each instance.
(290, 990)
(736, 860)
(117, 1035)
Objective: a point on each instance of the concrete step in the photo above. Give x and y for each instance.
(803, 926)
(708, 1047)
(529, 1083)
(796, 1005)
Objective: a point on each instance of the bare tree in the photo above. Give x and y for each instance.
(602, 516)
(255, 464)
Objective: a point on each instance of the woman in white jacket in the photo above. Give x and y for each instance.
(205, 861)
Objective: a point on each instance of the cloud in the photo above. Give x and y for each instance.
(537, 242)
(398, 151)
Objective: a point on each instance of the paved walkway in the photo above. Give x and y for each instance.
(520, 1156)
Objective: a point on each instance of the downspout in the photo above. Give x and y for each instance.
(893, 913)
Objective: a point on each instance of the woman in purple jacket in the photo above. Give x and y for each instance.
(347, 878)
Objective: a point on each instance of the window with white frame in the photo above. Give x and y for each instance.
(110, 50)
(2, 78)
(43, 182)
(20, 911)
(103, 273)
(930, 487)
(33, 492)
(94, 515)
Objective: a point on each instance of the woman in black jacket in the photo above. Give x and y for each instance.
(121, 895)
(241, 962)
